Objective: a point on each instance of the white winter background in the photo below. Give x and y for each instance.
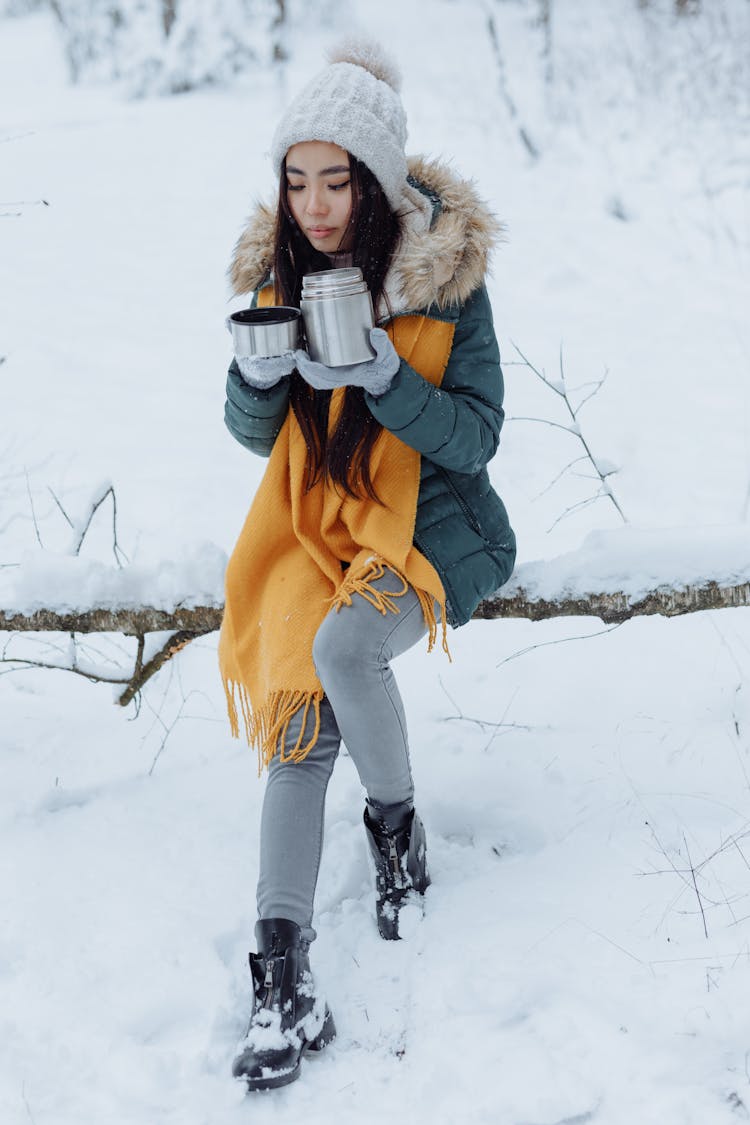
(584, 954)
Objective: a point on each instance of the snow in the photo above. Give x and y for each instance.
(571, 778)
(628, 560)
(634, 561)
(72, 583)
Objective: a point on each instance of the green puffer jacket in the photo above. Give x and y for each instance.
(461, 526)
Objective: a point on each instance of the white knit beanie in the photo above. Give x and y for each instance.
(353, 103)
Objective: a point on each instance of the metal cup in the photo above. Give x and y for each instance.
(337, 310)
(265, 332)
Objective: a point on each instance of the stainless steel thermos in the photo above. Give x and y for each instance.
(265, 332)
(337, 310)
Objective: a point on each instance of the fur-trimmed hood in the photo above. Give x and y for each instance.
(448, 233)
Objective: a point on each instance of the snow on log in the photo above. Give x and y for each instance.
(610, 608)
(613, 575)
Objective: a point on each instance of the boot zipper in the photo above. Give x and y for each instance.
(393, 858)
(268, 985)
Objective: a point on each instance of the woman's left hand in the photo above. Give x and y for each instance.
(375, 374)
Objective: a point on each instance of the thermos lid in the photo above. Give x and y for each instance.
(333, 283)
(269, 314)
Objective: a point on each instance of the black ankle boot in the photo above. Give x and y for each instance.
(400, 857)
(289, 1018)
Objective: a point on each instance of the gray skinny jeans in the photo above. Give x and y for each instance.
(352, 653)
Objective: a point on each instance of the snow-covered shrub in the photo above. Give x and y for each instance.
(20, 7)
(691, 62)
(166, 46)
(627, 67)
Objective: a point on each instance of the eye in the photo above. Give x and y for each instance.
(294, 187)
(339, 187)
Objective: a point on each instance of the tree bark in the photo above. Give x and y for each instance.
(615, 608)
(609, 607)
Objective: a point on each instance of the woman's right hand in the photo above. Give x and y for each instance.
(265, 371)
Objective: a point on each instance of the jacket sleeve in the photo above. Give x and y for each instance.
(254, 416)
(456, 425)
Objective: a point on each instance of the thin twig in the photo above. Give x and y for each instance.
(559, 641)
(560, 388)
(559, 476)
(26, 1103)
(16, 137)
(486, 723)
(542, 422)
(33, 512)
(598, 384)
(695, 886)
(24, 203)
(65, 514)
(528, 143)
(92, 677)
(577, 507)
(744, 857)
(167, 731)
(109, 491)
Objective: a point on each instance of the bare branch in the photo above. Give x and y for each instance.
(33, 513)
(16, 137)
(109, 491)
(695, 886)
(561, 390)
(526, 140)
(576, 508)
(65, 514)
(597, 387)
(559, 641)
(25, 203)
(525, 362)
(175, 644)
(559, 476)
(92, 677)
(542, 422)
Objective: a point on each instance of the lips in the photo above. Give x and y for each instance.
(320, 232)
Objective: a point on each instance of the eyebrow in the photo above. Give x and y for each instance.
(333, 170)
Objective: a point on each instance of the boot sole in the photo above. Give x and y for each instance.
(325, 1036)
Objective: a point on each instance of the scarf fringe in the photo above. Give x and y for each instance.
(374, 568)
(266, 728)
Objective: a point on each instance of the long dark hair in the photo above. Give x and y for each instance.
(344, 456)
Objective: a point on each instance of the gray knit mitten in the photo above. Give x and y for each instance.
(375, 374)
(265, 371)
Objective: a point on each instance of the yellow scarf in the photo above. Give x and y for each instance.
(285, 572)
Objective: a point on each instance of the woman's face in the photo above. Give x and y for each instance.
(319, 191)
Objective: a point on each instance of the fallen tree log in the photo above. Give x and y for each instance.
(611, 608)
(613, 576)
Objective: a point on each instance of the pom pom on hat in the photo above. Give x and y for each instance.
(353, 103)
(370, 55)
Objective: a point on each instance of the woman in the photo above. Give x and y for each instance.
(375, 523)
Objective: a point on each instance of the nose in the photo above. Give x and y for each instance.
(316, 203)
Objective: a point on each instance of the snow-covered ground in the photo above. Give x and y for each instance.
(585, 950)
